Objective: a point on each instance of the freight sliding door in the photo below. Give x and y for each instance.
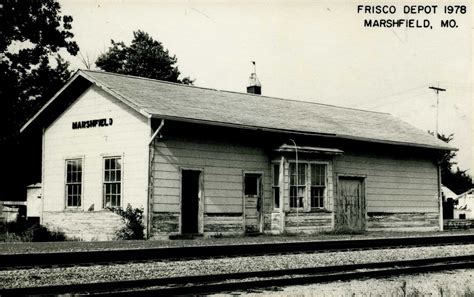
(350, 207)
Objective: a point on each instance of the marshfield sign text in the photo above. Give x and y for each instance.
(92, 123)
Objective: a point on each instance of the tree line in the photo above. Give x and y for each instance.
(34, 38)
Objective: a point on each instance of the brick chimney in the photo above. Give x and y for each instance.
(254, 86)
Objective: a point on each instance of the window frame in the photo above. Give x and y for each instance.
(299, 185)
(257, 184)
(306, 199)
(311, 186)
(276, 187)
(66, 183)
(104, 182)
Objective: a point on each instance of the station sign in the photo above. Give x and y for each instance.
(92, 123)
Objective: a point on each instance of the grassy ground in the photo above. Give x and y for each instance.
(457, 283)
(38, 247)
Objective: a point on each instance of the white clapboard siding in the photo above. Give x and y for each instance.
(393, 184)
(222, 163)
(126, 137)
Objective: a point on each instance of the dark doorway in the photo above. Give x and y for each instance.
(448, 209)
(190, 201)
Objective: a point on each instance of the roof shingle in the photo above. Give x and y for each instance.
(164, 99)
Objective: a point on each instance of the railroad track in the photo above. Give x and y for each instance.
(61, 259)
(217, 283)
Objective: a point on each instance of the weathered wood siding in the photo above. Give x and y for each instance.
(401, 188)
(415, 221)
(221, 224)
(308, 222)
(393, 184)
(127, 138)
(222, 163)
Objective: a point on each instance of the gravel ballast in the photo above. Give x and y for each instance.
(76, 246)
(102, 273)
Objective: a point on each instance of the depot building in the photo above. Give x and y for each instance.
(208, 162)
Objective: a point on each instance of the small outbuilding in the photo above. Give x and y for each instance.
(207, 162)
(464, 208)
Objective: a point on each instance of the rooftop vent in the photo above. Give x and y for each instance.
(254, 86)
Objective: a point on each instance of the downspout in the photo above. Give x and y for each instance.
(151, 158)
(440, 196)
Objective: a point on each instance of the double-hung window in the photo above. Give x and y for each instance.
(112, 181)
(276, 185)
(73, 182)
(307, 185)
(318, 185)
(297, 184)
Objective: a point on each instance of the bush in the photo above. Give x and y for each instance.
(24, 232)
(133, 220)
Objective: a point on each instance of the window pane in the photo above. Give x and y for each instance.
(292, 174)
(74, 177)
(250, 186)
(79, 170)
(118, 164)
(318, 174)
(296, 193)
(317, 196)
(301, 178)
(276, 174)
(276, 197)
(302, 174)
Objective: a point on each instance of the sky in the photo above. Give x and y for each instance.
(316, 51)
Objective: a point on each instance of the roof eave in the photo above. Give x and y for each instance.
(93, 81)
(259, 128)
(239, 126)
(115, 94)
(410, 144)
(33, 118)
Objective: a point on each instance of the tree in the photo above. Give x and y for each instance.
(457, 180)
(145, 57)
(31, 70)
(33, 33)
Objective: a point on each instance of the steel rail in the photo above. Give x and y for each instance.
(258, 279)
(28, 260)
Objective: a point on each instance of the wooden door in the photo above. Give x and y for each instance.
(350, 205)
(252, 201)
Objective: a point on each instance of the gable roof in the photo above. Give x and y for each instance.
(447, 192)
(159, 99)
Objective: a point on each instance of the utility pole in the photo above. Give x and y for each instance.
(437, 90)
(440, 196)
